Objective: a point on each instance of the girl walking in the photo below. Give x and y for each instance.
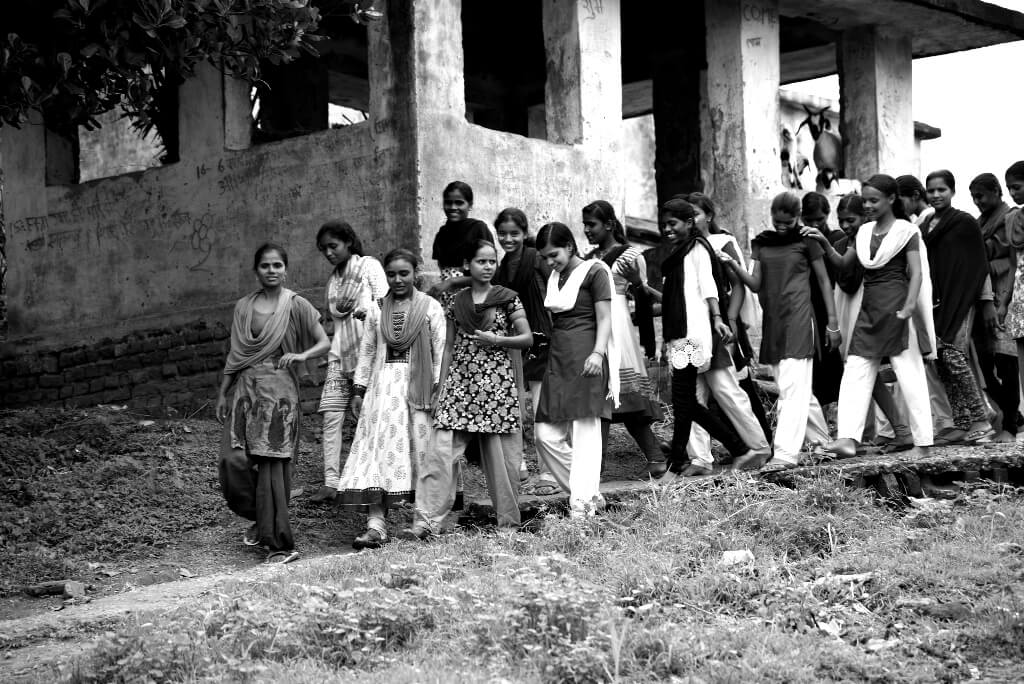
(892, 314)
(1014, 321)
(691, 319)
(637, 410)
(479, 397)
(582, 369)
(722, 379)
(273, 333)
(783, 262)
(959, 269)
(396, 379)
(355, 285)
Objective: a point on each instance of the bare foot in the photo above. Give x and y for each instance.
(1004, 437)
(917, 452)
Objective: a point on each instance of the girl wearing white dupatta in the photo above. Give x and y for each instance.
(888, 316)
(581, 382)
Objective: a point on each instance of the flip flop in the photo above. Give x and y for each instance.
(948, 436)
(776, 466)
(282, 557)
(974, 436)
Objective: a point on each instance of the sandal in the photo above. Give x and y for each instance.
(282, 557)
(948, 436)
(975, 434)
(370, 539)
(752, 460)
(541, 488)
(657, 468)
(696, 470)
(415, 533)
(251, 536)
(324, 495)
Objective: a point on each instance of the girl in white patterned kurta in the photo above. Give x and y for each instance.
(355, 285)
(398, 371)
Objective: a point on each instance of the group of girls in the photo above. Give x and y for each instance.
(432, 375)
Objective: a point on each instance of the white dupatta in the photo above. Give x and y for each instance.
(848, 306)
(562, 299)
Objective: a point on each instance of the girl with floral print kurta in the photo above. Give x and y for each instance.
(479, 397)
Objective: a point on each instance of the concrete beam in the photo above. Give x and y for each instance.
(876, 101)
(743, 107)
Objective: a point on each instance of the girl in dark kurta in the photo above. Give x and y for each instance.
(997, 351)
(959, 268)
(582, 369)
(453, 238)
(892, 312)
(524, 271)
(637, 409)
(478, 397)
(273, 332)
(828, 365)
(782, 264)
(691, 322)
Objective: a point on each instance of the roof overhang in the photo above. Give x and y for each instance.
(935, 27)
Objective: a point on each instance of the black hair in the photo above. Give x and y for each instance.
(910, 186)
(987, 181)
(605, 213)
(340, 230)
(678, 209)
(513, 215)
(557, 235)
(945, 175)
(269, 247)
(887, 185)
(815, 201)
(471, 248)
(851, 204)
(462, 188)
(699, 199)
(401, 253)
(1016, 170)
(786, 203)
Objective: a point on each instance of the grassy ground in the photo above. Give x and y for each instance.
(835, 588)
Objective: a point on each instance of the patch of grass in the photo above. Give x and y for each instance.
(839, 589)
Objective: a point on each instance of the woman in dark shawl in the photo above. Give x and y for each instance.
(997, 350)
(273, 333)
(956, 254)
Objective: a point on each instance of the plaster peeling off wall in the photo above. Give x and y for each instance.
(165, 245)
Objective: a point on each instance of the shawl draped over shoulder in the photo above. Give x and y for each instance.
(290, 329)
(956, 254)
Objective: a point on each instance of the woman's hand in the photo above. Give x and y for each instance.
(593, 366)
(835, 338)
(726, 260)
(355, 405)
(905, 313)
(1000, 315)
(631, 273)
(359, 314)
(344, 306)
(438, 288)
(287, 360)
(814, 234)
(221, 408)
(485, 339)
(723, 331)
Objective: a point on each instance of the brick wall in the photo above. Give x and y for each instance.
(178, 368)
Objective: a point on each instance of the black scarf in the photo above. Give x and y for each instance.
(528, 284)
(673, 302)
(956, 255)
(471, 316)
(453, 239)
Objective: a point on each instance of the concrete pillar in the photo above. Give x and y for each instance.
(201, 114)
(677, 100)
(743, 104)
(439, 64)
(876, 102)
(583, 92)
(237, 114)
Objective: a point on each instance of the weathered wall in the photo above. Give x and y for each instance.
(164, 245)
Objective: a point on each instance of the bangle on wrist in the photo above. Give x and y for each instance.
(828, 329)
(358, 391)
(599, 353)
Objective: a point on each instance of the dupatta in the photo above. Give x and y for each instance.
(247, 350)
(414, 336)
(848, 305)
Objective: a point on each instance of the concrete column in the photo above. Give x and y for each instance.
(237, 114)
(201, 114)
(677, 103)
(876, 102)
(743, 104)
(439, 63)
(583, 93)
